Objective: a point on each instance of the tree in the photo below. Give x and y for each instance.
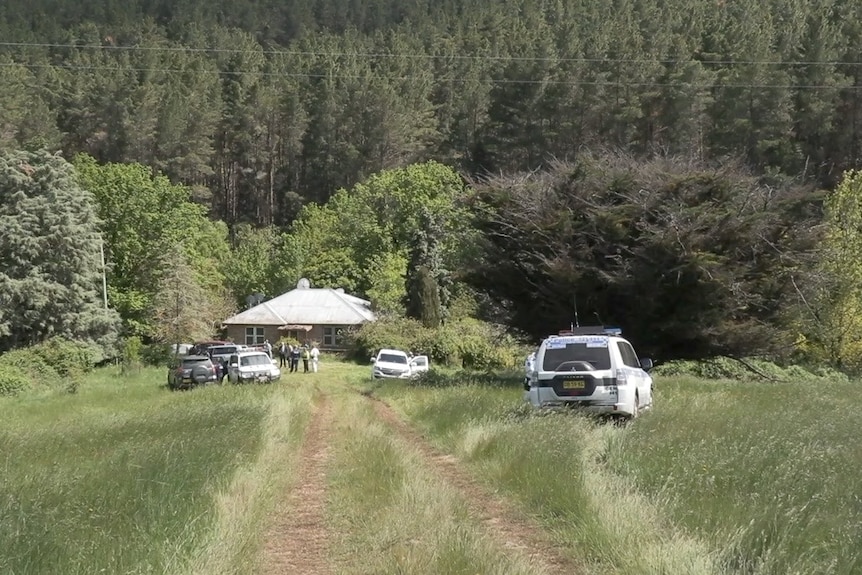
(50, 266)
(831, 314)
(423, 298)
(691, 260)
(184, 310)
(145, 216)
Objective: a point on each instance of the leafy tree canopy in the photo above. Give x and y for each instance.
(145, 217)
(691, 261)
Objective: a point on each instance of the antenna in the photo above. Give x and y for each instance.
(575, 301)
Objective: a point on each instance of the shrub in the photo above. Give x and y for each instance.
(27, 364)
(68, 358)
(12, 381)
(158, 354)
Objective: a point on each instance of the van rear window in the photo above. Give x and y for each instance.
(561, 358)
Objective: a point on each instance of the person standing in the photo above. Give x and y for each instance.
(282, 354)
(294, 359)
(315, 357)
(268, 347)
(306, 356)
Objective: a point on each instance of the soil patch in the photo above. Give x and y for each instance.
(296, 539)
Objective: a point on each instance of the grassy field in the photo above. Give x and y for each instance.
(126, 477)
(722, 477)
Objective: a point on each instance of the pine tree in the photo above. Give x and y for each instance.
(50, 264)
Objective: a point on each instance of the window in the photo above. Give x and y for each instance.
(294, 334)
(575, 355)
(628, 354)
(333, 335)
(254, 336)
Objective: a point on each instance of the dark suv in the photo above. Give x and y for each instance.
(191, 370)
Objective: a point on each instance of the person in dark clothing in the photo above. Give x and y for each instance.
(283, 352)
(294, 359)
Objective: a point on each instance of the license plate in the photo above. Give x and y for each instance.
(573, 384)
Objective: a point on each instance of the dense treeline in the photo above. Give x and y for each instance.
(264, 106)
(659, 163)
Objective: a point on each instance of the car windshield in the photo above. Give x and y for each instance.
(257, 359)
(392, 358)
(567, 358)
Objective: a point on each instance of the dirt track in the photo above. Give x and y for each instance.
(295, 543)
(296, 540)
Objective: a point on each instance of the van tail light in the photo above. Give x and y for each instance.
(622, 377)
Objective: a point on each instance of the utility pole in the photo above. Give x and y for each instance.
(104, 274)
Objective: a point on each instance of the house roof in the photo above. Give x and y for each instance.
(307, 306)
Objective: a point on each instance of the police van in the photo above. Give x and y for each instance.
(593, 368)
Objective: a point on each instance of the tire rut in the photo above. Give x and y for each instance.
(510, 528)
(295, 542)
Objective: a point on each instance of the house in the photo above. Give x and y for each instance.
(306, 314)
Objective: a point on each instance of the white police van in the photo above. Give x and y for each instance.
(593, 368)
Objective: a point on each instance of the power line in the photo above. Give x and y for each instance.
(443, 79)
(377, 55)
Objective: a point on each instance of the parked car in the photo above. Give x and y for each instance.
(391, 363)
(191, 370)
(202, 347)
(593, 368)
(252, 366)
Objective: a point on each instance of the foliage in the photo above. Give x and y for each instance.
(69, 358)
(146, 217)
(747, 369)
(690, 260)
(32, 367)
(468, 343)
(50, 276)
(360, 238)
(830, 310)
(12, 381)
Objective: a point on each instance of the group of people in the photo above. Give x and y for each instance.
(290, 355)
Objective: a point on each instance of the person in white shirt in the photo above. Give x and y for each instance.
(315, 358)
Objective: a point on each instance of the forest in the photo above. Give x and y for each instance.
(683, 169)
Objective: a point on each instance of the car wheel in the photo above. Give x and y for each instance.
(636, 407)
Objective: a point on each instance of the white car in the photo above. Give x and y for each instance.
(591, 368)
(394, 363)
(252, 366)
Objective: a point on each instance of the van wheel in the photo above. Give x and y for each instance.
(636, 408)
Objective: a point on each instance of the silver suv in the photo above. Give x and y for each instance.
(593, 368)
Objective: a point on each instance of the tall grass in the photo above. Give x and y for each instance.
(389, 513)
(555, 465)
(121, 477)
(769, 474)
(723, 476)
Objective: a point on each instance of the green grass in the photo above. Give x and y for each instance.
(389, 513)
(769, 474)
(120, 477)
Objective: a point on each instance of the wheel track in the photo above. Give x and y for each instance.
(511, 528)
(295, 542)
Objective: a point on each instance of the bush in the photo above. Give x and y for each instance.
(68, 358)
(12, 381)
(29, 365)
(157, 354)
(468, 343)
(438, 378)
(751, 369)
